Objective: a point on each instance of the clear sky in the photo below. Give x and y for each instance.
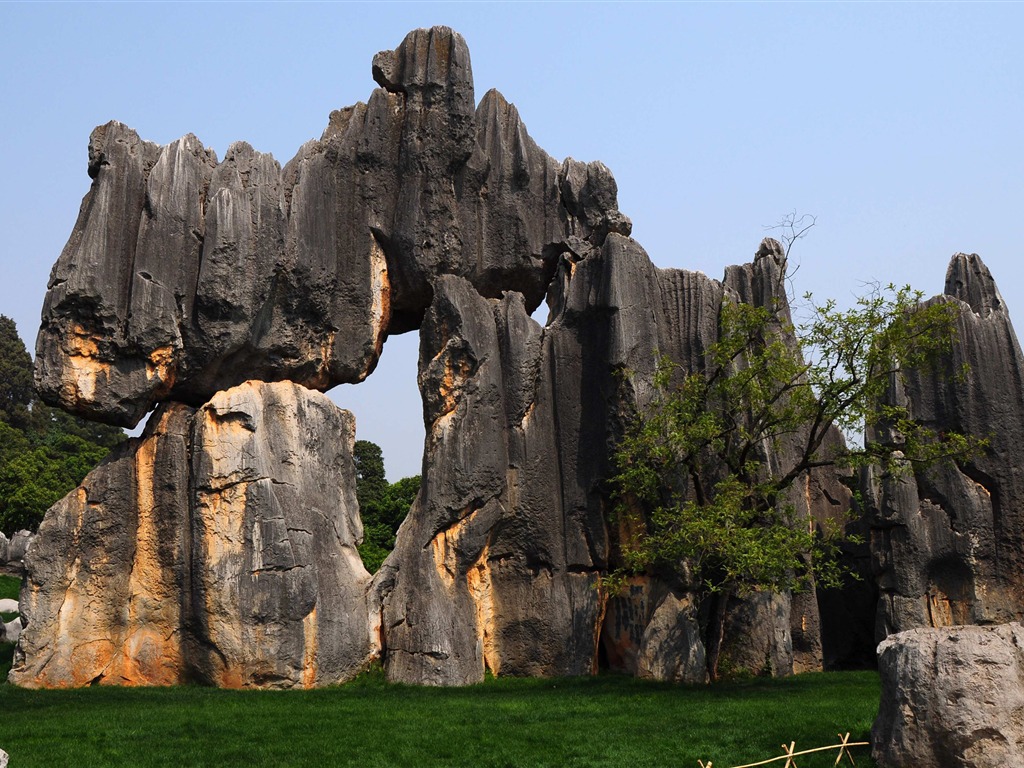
(898, 125)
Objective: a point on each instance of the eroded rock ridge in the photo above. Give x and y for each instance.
(185, 276)
(948, 542)
(220, 546)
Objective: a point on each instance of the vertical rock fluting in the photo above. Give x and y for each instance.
(492, 568)
(219, 547)
(497, 566)
(184, 276)
(947, 542)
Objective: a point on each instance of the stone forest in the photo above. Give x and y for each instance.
(219, 547)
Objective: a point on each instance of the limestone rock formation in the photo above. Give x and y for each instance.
(277, 587)
(184, 276)
(951, 697)
(13, 550)
(219, 547)
(106, 575)
(498, 563)
(948, 544)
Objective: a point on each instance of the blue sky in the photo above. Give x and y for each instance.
(898, 125)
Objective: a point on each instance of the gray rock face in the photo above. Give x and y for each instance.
(951, 697)
(497, 565)
(18, 545)
(219, 547)
(11, 631)
(5, 547)
(278, 590)
(185, 276)
(948, 544)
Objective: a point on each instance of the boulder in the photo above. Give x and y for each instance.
(19, 545)
(185, 276)
(948, 543)
(218, 547)
(5, 548)
(11, 631)
(951, 696)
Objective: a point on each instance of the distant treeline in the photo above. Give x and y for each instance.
(44, 452)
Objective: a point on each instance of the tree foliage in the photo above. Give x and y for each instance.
(382, 505)
(44, 452)
(705, 469)
(16, 390)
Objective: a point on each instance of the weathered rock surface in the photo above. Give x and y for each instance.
(277, 587)
(106, 574)
(18, 546)
(219, 547)
(951, 697)
(497, 565)
(185, 276)
(948, 544)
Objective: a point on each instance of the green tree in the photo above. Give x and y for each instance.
(382, 505)
(16, 390)
(704, 470)
(44, 452)
(371, 482)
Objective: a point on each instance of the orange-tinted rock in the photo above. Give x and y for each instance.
(219, 547)
(184, 276)
(104, 599)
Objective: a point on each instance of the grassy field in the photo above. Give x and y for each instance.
(601, 721)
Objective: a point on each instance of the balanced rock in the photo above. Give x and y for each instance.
(948, 543)
(184, 276)
(219, 547)
(951, 697)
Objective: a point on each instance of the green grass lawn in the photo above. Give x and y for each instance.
(601, 721)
